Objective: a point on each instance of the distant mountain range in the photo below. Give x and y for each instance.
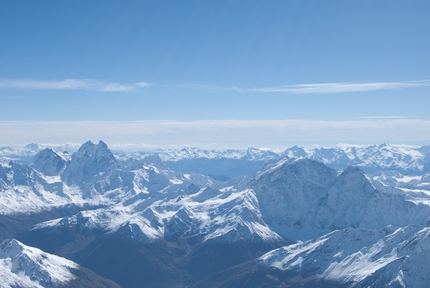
(344, 216)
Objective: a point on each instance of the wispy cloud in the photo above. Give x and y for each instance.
(382, 117)
(342, 87)
(321, 88)
(220, 133)
(316, 88)
(212, 87)
(71, 84)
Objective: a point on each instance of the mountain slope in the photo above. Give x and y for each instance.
(202, 230)
(135, 220)
(389, 257)
(24, 266)
(301, 199)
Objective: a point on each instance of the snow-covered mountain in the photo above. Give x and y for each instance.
(389, 161)
(219, 227)
(310, 198)
(393, 257)
(92, 176)
(25, 154)
(193, 213)
(137, 218)
(24, 266)
(404, 159)
(220, 165)
(394, 163)
(134, 201)
(403, 166)
(49, 162)
(195, 153)
(351, 257)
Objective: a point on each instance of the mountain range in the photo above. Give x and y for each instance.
(349, 216)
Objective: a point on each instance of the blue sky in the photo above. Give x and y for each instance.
(215, 73)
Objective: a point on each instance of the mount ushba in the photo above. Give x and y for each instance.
(344, 216)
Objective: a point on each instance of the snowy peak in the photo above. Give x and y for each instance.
(250, 154)
(254, 154)
(48, 162)
(387, 257)
(295, 151)
(290, 168)
(90, 160)
(11, 247)
(288, 188)
(297, 181)
(131, 163)
(305, 195)
(192, 189)
(352, 186)
(93, 150)
(32, 146)
(140, 201)
(26, 266)
(408, 159)
(14, 173)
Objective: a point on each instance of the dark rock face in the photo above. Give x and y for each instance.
(14, 175)
(87, 278)
(48, 162)
(250, 274)
(14, 226)
(90, 160)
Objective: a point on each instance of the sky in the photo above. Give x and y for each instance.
(215, 74)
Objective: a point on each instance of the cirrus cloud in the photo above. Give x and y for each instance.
(71, 84)
(343, 87)
(320, 88)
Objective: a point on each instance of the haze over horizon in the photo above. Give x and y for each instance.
(219, 74)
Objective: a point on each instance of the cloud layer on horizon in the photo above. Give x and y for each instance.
(219, 134)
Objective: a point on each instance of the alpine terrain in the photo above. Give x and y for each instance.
(86, 216)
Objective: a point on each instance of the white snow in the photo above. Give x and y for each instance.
(296, 197)
(355, 255)
(25, 266)
(407, 179)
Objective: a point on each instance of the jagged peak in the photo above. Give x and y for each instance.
(353, 169)
(287, 162)
(88, 161)
(354, 172)
(11, 246)
(47, 152)
(154, 160)
(90, 143)
(91, 149)
(192, 189)
(32, 146)
(48, 162)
